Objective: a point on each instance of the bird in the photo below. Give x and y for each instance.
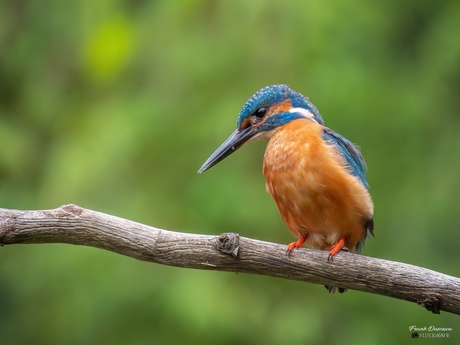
(315, 176)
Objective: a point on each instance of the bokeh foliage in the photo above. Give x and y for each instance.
(114, 105)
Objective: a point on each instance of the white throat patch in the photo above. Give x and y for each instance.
(265, 135)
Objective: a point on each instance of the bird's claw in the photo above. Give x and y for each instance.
(290, 248)
(336, 248)
(294, 245)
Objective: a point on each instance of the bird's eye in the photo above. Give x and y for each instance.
(261, 112)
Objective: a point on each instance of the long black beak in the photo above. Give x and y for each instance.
(233, 143)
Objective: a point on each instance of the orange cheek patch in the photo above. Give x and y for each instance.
(280, 108)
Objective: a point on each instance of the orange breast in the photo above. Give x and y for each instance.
(314, 193)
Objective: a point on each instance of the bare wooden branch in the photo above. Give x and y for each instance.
(230, 252)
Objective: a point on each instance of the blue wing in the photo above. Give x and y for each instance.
(356, 164)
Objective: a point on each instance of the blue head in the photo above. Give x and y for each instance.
(269, 108)
(273, 96)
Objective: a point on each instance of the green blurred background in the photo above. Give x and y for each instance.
(114, 105)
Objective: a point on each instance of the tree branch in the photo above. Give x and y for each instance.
(230, 252)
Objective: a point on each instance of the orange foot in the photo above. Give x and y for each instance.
(295, 245)
(336, 248)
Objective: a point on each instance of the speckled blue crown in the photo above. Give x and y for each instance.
(273, 94)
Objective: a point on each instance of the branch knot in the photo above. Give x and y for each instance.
(228, 243)
(430, 303)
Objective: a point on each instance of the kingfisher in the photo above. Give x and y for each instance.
(315, 176)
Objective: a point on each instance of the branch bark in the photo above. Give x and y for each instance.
(229, 252)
